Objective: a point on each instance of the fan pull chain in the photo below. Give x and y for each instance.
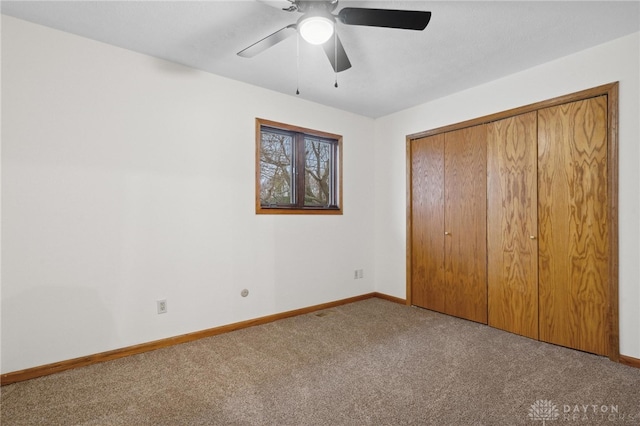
(298, 64)
(335, 54)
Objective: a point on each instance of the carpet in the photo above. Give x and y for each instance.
(372, 362)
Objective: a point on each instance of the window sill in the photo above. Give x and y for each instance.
(294, 210)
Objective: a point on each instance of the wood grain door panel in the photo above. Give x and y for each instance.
(465, 223)
(573, 225)
(512, 249)
(427, 213)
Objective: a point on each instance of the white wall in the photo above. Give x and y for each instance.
(126, 179)
(618, 60)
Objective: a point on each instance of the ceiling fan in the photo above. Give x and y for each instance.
(317, 26)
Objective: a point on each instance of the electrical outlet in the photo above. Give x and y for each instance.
(360, 273)
(162, 306)
(355, 274)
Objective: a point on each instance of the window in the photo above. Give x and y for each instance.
(298, 171)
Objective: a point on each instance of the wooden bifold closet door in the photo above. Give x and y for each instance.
(448, 255)
(512, 224)
(574, 225)
(427, 210)
(547, 229)
(465, 223)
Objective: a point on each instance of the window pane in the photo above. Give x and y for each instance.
(317, 172)
(275, 168)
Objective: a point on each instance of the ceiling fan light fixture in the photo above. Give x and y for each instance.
(316, 29)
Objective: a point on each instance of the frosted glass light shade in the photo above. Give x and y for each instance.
(316, 29)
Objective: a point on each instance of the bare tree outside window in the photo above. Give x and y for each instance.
(297, 170)
(317, 169)
(276, 157)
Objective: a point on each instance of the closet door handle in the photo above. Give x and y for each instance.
(447, 233)
(532, 237)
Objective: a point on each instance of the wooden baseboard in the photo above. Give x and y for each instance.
(630, 361)
(390, 298)
(57, 367)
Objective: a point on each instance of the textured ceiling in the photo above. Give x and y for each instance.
(465, 44)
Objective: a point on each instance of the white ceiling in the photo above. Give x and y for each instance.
(465, 44)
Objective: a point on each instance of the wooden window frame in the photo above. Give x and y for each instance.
(300, 132)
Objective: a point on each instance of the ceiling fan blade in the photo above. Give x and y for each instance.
(389, 18)
(268, 41)
(341, 56)
(279, 4)
(288, 5)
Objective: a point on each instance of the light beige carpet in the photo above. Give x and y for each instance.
(367, 363)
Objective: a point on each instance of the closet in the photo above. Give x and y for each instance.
(511, 221)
